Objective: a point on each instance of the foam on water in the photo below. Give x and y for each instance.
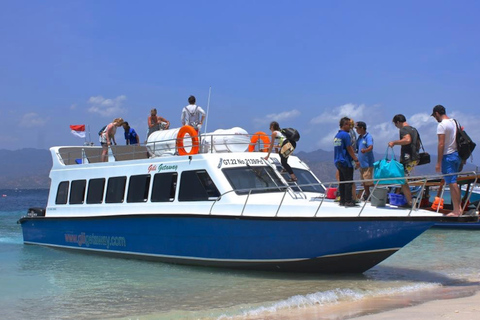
(329, 298)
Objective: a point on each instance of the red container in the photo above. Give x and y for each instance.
(331, 193)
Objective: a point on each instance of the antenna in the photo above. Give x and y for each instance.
(208, 109)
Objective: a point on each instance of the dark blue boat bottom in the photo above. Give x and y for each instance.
(342, 263)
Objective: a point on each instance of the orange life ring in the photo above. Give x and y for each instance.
(193, 135)
(262, 136)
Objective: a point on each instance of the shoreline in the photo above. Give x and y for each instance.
(457, 302)
(464, 308)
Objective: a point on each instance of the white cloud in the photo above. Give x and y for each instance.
(333, 115)
(107, 107)
(285, 115)
(32, 120)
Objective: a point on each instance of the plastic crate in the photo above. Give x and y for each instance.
(396, 199)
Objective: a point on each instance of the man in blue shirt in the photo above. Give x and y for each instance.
(365, 156)
(345, 160)
(130, 135)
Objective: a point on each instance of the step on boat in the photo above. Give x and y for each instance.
(213, 200)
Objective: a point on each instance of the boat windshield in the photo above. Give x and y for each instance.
(257, 179)
(306, 181)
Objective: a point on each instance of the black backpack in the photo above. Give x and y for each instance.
(465, 145)
(101, 131)
(291, 134)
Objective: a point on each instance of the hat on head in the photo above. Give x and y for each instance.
(361, 124)
(438, 108)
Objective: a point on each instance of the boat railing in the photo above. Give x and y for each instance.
(204, 143)
(210, 143)
(423, 184)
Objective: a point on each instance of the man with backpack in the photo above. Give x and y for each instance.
(193, 115)
(448, 160)
(410, 145)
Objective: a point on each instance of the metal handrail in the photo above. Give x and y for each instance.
(415, 206)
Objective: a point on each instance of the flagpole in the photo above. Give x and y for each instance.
(208, 108)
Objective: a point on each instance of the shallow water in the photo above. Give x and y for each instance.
(45, 283)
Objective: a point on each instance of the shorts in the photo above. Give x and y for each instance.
(367, 174)
(408, 167)
(451, 164)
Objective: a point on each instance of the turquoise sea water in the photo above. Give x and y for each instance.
(44, 283)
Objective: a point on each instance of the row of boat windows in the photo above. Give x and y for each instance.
(194, 186)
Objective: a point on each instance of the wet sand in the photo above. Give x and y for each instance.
(467, 308)
(458, 303)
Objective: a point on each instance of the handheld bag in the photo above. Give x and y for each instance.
(287, 150)
(423, 157)
(465, 145)
(386, 168)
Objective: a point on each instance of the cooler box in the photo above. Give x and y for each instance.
(379, 197)
(331, 193)
(397, 199)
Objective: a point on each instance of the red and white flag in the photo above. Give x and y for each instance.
(78, 130)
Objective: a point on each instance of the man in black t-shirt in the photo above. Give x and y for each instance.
(409, 151)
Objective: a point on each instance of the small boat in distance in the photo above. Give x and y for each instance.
(214, 201)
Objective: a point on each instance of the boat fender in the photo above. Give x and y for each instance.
(193, 135)
(260, 135)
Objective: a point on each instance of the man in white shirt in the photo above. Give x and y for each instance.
(191, 114)
(448, 160)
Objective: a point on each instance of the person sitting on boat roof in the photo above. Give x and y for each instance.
(344, 157)
(281, 141)
(191, 114)
(409, 150)
(156, 122)
(108, 136)
(131, 137)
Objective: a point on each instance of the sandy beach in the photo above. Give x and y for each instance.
(444, 304)
(467, 308)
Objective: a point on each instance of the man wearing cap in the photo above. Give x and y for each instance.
(365, 156)
(448, 160)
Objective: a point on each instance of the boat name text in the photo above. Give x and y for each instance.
(161, 167)
(95, 240)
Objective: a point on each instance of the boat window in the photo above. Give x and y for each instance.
(197, 186)
(258, 179)
(306, 181)
(95, 190)
(138, 188)
(77, 194)
(164, 187)
(62, 193)
(115, 190)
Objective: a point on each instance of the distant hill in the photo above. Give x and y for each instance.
(25, 169)
(29, 168)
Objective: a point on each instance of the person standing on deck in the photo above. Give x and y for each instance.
(409, 150)
(108, 136)
(448, 160)
(193, 115)
(131, 136)
(345, 160)
(365, 156)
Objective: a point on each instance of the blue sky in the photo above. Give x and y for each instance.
(303, 63)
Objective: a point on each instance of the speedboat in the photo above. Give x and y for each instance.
(213, 200)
